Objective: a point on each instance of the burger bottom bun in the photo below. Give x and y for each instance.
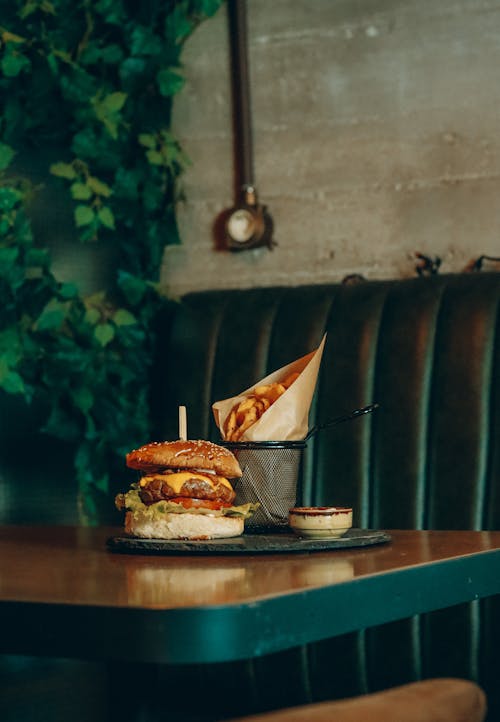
(183, 526)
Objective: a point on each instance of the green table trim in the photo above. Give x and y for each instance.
(253, 629)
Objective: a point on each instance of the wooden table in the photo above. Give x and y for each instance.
(62, 593)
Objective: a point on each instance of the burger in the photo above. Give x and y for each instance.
(183, 492)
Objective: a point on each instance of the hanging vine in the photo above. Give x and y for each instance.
(88, 86)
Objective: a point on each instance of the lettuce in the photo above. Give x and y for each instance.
(132, 502)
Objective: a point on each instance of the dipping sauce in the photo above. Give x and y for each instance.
(320, 521)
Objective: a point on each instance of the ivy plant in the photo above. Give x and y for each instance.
(87, 86)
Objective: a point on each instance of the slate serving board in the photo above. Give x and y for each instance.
(278, 542)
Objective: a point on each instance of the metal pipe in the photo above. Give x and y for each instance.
(243, 147)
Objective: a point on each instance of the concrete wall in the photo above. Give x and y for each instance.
(376, 133)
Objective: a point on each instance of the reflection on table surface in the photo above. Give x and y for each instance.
(71, 565)
(187, 584)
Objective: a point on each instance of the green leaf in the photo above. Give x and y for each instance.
(52, 316)
(107, 110)
(133, 287)
(122, 317)
(7, 37)
(84, 215)
(8, 256)
(64, 56)
(96, 299)
(9, 338)
(178, 25)
(104, 333)
(37, 257)
(145, 42)
(112, 11)
(126, 184)
(208, 7)
(80, 191)
(133, 74)
(6, 155)
(113, 102)
(12, 383)
(111, 126)
(9, 198)
(112, 54)
(95, 52)
(147, 140)
(83, 398)
(154, 157)
(68, 290)
(106, 217)
(84, 143)
(52, 63)
(98, 187)
(170, 81)
(101, 483)
(92, 316)
(63, 170)
(13, 63)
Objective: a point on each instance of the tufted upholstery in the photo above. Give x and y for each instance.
(426, 349)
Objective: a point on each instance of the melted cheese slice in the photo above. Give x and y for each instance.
(177, 480)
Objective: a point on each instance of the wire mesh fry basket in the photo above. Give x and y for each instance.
(270, 476)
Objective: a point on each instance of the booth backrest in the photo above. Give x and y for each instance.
(428, 351)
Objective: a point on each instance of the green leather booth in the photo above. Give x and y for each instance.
(428, 351)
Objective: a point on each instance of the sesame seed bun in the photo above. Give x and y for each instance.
(198, 454)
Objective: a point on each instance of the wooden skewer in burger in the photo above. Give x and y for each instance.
(184, 492)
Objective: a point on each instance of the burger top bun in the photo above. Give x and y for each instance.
(181, 454)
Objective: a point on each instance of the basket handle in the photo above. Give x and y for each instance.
(340, 419)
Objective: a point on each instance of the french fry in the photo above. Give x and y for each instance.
(262, 390)
(245, 413)
(231, 424)
(290, 379)
(245, 405)
(276, 391)
(260, 406)
(251, 418)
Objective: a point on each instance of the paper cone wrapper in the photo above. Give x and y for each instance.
(288, 418)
